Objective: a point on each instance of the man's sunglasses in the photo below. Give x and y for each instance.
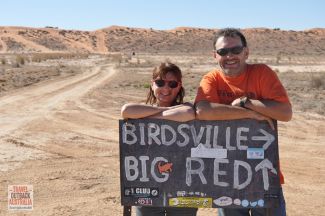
(234, 50)
(171, 84)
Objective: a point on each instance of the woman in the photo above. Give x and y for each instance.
(164, 101)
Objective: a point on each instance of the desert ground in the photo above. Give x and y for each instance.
(59, 130)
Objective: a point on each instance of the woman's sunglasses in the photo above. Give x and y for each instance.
(171, 84)
(234, 50)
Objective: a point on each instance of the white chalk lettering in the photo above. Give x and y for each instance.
(143, 160)
(153, 168)
(128, 167)
(264, 166)
(131, 164)
(241, 138)
(198, 171)
(183, 134)
(196, 166)
(228, 140)
(128, 129)
(153, 132)
(208, 136)
(269, 138)
(244, 164)
(218, 172)
(142, 125)
(164, 137)
(215, 137)
(197, 138)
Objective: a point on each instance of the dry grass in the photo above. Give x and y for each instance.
(38, 57)
(18, 71)
(318, 81)
(306, 90)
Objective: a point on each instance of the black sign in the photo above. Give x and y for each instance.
(204, 164)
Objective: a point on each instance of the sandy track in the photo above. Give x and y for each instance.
(45, 143)
(28, 104)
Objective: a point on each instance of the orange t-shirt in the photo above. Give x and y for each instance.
(258, 82)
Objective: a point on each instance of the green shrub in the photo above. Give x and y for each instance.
(146, 85)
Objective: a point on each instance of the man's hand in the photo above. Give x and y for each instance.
(260, 117)
(254, 115)
(241, 102)
(236, 102)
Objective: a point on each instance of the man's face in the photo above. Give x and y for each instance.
(233, 61)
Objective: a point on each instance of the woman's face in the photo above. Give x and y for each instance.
(166, 89)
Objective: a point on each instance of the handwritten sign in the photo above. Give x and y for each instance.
(204, 164)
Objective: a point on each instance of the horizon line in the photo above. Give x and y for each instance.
(149, 28)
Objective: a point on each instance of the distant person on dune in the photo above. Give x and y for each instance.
(237, 90)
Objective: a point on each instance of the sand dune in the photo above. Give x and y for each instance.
(262, 41)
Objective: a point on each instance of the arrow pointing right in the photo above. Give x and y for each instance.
(269, 138)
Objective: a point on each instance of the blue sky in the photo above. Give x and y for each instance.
(165, 14)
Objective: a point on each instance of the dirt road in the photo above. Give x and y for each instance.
(51, 140)
(61, 136)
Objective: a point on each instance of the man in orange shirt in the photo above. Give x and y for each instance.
(237, 90)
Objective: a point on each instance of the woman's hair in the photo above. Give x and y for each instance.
(161, 72)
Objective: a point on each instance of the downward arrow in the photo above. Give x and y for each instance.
(264, 166)
(269, 138)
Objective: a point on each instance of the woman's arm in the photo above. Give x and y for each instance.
(181, 113)
(135, 111)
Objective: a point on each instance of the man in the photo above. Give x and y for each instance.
(237, 90)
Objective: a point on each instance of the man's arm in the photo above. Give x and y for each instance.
(206, 110)
(214, 111)
(273, 109)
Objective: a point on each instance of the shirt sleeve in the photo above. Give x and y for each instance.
(271, 87)
(208, 89)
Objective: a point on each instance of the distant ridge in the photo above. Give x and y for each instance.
(178, 40)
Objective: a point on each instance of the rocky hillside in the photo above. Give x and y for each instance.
(183, 40)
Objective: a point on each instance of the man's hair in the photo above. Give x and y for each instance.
(229, 32)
